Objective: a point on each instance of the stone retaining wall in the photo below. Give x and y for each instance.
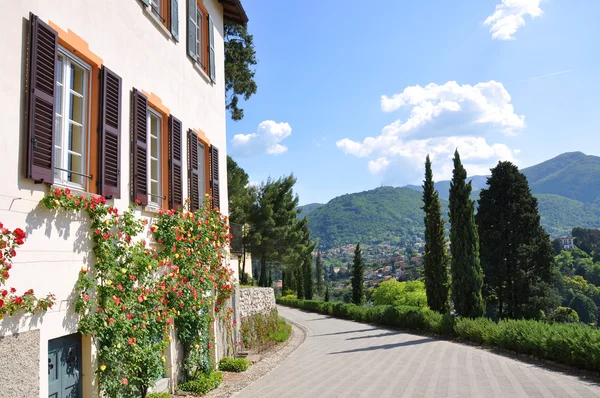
(20, 368)
(256, 299)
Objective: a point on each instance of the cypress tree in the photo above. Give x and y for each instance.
(465, 268)
(319, 274)
(308, 277)
(358, 277)
(435, 262)
(516, 253)
(300, 281)
(327, 293)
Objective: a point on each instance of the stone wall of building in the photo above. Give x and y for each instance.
(256, 299)
(20, 369)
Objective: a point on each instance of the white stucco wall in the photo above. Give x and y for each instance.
(123, 34)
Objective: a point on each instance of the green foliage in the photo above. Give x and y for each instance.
(326, 293)
(204, 383)
(385, 214)
(435, 262)
(158, 395)
(283, 331)
(240, 57)
(392, 292)
(564, 315)
(129, 308)
(465, 268)
(516, 253)
(234, 364)
(262, 330)
(319, 274)
(585, 307)
(307, 209)
(358, 277)
(572, 344)
(308, 276)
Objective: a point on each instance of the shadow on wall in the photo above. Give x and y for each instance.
(11, 325)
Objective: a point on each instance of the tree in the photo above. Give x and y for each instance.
(467, 277)
(319, 274)
(308, 277)
(585, 307)
(240, 57)
(327, 293)
(392, 292)
(358, 277)
(274, 226)
(299, 276)
(516, 253)
(435, 264)
(240, 198)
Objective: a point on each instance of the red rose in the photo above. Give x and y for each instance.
(125, 381)
(1, 303)
(18, 300)
(4, 293)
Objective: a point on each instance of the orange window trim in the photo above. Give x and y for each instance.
(155, 103)
(79, 47)
(205, 141)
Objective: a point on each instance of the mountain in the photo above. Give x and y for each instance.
(305, 210)
(567, 188)
(385, 214)
(573, 175)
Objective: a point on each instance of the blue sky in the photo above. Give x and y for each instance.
(352, 95)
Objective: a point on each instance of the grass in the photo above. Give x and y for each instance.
(283, 331)
(234, 364)
(203, 384)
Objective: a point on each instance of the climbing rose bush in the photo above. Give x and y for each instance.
(10, 301)
(137, 292)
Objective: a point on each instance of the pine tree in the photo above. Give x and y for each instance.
(465, 268)
(516, 253)
(319, 274)
(358, 277)
(435, 262)
(327, 293)
(308, 277)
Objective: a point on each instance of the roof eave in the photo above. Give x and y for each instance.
(233, 11)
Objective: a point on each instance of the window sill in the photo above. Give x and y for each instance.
(151, 209)
(75, 191)
(201, 71)
(159, 24)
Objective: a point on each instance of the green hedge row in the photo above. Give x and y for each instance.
(571, 344)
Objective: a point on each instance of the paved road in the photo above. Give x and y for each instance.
(347, 359)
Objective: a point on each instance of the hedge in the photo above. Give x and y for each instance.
(572, 344)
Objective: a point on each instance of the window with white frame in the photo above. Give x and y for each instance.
(70, 149)
(156, 6)
(154, 158)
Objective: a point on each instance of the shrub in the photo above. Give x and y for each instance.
(203, 384)
(158, 395)
(288, 297)
(260, 331)
(234, 364)
(282, 333)
(564, 315)
(393, 292)
(479, 330)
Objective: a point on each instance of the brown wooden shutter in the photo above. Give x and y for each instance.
(175, 169)
(110, 135)
(193, 171)
(43, 51)
(214, 176)
(139, 147)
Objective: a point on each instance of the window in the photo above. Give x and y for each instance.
(202, 174)
(156, 7)
(200, 37)
(71, 111)
(165, 12)
(154, 158)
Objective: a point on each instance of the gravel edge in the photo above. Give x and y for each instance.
(269, 361)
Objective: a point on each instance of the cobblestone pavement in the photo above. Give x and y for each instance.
(347, 359)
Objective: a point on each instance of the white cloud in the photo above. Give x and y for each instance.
(267, 139)
(442, 119)
(450, 105)
(378, 165)
(509, 17)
